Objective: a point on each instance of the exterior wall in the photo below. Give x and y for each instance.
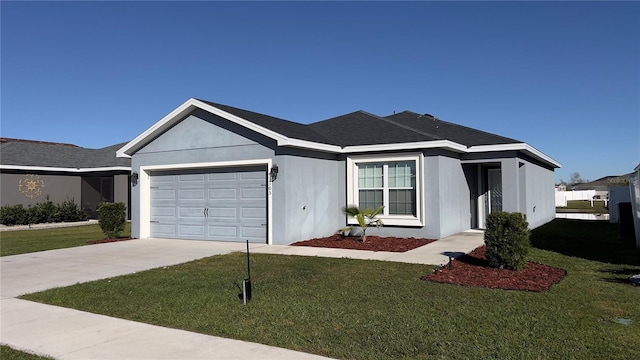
(524, 190)
(57, 188)
(121, 191)
(307, 197)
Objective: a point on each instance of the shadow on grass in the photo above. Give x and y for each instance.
(591, 240)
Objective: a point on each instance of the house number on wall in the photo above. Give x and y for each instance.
(31, 186)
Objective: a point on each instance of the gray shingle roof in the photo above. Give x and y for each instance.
(45, 154)
(362, 128)
(457, 133)
(284, 127)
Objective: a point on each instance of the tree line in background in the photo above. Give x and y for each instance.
(575, 179)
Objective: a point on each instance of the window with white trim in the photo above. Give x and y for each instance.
(390, 181)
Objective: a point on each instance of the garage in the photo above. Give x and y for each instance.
(226, 204)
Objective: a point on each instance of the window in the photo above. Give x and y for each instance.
(391, 181)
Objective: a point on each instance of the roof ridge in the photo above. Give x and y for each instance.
(413, 129)
(8, 140)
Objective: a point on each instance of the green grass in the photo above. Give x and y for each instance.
(584, 206)
(7, 353)
(27, 241)
(355, 309)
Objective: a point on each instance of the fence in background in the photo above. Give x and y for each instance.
(563, 196)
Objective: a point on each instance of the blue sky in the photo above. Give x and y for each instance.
(561, 76)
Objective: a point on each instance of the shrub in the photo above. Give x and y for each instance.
(13, 215)
(41, 213)
(507, 240)
(112, 218)
(44, 212)
(68, 210)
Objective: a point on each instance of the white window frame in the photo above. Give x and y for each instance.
(397, 220)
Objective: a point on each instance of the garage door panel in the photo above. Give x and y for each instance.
(191, 213)
(255, 175)
(223, 232)
(249, 232)
(235, 200)
(222, 177)
(163, 211)
(191, 194)
(223, 194)
(253, 194)
(191, 178)
(224, 214)
(163, 194)
(252, 214)
(163, 230)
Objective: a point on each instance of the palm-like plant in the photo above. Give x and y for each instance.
(365, 218)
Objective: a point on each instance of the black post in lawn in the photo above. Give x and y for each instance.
(246, 283)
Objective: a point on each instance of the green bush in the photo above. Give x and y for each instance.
(112, 218)
(13, 215)
(68, 210)
(507, 240)
(45, 212)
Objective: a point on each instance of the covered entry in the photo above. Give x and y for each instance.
(228, 204)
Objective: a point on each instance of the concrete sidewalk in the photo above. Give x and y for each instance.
(72, 334)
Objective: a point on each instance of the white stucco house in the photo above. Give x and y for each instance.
(214, 172)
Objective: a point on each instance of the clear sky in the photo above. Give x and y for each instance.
(561, 76)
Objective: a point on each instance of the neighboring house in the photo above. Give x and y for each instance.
(601, 186)
(211, 171)
(33, 171)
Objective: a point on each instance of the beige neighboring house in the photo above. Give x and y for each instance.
(33, 171)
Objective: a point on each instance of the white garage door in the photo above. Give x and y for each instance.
(213, 204)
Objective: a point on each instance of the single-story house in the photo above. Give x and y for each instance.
(33, 171)
(212, 171)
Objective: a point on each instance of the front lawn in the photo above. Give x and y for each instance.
(355, 309)
(7, 353)
(27, 241)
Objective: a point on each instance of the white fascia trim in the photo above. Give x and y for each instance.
(515, 147)
(57, 169)
(444, 144)
(145, 189)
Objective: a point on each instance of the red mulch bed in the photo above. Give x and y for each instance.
(474, 270)
(373, 243)
(102, 241)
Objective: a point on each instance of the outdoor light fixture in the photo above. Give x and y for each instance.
(134, 178)
(273, 174)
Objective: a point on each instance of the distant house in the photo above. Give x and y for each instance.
(214, 172)
(601, 186)
(33, 171)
